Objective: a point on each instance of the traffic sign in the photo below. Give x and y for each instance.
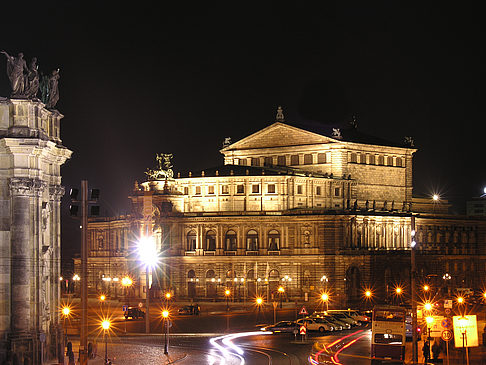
(446, 323)
(124, 308)
(446, 335)
(303, 330)
(447, 311)
(448, 303)
(303, 311)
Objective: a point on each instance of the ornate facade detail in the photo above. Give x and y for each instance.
(26, 186)
(56, 192)
(164, 168)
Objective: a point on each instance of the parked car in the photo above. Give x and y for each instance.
(134, 313)
(281, 327)
(314, 324)
(189, 309)
(338, 325)
(354, 314)
(345, 325)
(345, 318)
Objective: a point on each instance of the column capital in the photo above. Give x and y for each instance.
(26, 186)
(56, 192)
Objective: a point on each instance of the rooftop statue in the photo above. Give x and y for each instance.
(25, 80)
(164, 168)
(15, 71)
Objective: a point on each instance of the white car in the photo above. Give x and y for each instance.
(315, 324)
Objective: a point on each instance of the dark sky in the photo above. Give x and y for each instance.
(141, 79)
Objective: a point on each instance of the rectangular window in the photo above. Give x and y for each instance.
(294, 159)
(399, 162)
(281, 161)
(186, 190)
(299, 189)
(255, 161)
(381, 160)
(198, 190)
(240, 189)
(271, 189)
(318, 190)
(211, 189)
(372, 160)
(321, 158)
(255, 188)
(307, 159)
(268, 161)
(225, 189)
(337, 191)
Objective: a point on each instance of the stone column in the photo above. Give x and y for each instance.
(21, 190)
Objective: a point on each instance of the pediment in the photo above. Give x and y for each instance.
(279, 135)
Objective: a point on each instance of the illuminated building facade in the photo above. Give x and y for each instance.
(306, 209)
(31, 154)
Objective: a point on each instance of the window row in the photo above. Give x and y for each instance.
(230, 242)
(370, 159)
(253, 189)
(285, 160)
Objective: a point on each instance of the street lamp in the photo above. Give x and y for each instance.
(281, 292)
(463, 322)
(325, 299)
(75, 279)
(259, 303)
(148, 255)
(430, 321)
(165, 315)
(168, 295)
(426, 288)
(460, 300)
(105, 325)
(227, 294)
(66, 312)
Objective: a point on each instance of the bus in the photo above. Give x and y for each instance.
(388, 334)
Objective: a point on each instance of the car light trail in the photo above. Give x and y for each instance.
(335, 359)
(326, 347)
(229, 348)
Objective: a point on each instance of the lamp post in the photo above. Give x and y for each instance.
(259, 303)
(126, 282)
(147, 252)
(325, 299)
(65, 311)
(227, 294)
(165, 315)
(168, 296)
(105, 325)
(281, 292)
(429, 321)
(463, 321)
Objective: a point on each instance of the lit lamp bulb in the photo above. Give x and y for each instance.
(435, 197)
(428, 306)
(102, 297)
(105, 324)
(426, 287)
(227, 292)
(281, 289)
(368, 294)
(398, 290)
(460, 300)
(259, 300)
(66, 311)
(165, 313)
(167, 296)
(429, 320)
(325, 297)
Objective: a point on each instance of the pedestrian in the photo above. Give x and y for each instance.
(426, 351)
(435, 350)
(196, 309)
(70, 353)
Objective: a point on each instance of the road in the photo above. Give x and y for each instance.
(233, 338)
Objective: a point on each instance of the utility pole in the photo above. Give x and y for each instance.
(83, 348)
(413, 289)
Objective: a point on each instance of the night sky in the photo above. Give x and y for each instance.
(139, 80)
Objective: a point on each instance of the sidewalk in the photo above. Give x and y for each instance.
(130, 354)
(477, 355)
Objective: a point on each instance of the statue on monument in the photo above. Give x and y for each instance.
(15, 71)
(25, 80)
(32, 79)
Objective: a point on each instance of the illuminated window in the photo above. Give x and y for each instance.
(225, 189)
(321, 158)
(211, 189)
(307, 159)
(198, 190)
(271, 189)
(186, 190)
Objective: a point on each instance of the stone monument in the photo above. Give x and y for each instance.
(31, 154)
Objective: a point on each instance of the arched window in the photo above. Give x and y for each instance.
(273, 240)
(210, 241)
(211, 286)
(191, 241)
(399, 162)
(230, 241)
(252, 240)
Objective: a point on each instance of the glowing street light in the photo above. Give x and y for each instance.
(165, 316)
(463, 323)
(398, 290)
(281, 292)
(428, 306)
(435, 197)
(102, 298)
(325, 299)
(105, 325)
(460, 300)
(66, 311)
(227, 294)
(148, 255)
(426, 287)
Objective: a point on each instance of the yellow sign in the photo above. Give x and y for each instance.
(465, 331)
